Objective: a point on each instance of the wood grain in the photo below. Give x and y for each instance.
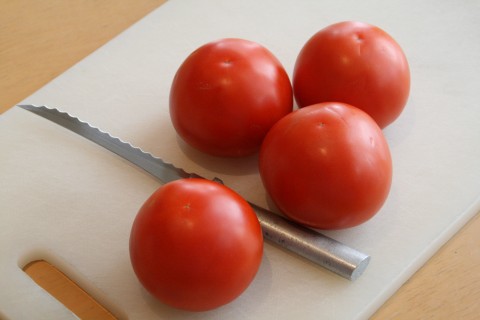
(39, 40)
(446, 287)
(66, 291)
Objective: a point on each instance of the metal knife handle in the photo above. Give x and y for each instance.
(316, 247)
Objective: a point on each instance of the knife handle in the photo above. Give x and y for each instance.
(316, 247)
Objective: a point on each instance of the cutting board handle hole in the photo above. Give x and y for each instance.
(66, 291)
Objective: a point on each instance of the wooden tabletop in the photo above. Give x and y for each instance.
(39, 40)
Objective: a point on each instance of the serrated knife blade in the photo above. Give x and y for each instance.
(312, 245)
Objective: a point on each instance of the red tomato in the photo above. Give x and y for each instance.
(327, 166)
(355, 63)
(195, 244)
(226, 96)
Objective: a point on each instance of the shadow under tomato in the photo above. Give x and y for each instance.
(248, 301)
(229, 166)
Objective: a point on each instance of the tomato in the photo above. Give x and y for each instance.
(355, 63)
(327, 166)
(195, 244)
(226, 96)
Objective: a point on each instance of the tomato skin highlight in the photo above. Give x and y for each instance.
(195, 244)
(226, 95)
(327, 166)
(354, 63)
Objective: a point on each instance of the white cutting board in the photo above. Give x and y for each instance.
(72, 203)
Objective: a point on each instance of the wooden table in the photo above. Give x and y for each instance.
(39, 40)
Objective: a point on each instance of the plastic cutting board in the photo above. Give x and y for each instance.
(72, 203)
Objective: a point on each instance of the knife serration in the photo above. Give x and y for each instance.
(160, 169)
(316, 247)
